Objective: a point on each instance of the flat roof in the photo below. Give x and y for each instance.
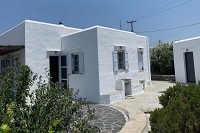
(6, 49)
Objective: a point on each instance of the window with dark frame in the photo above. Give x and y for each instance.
(64, 69)
(75, 63)
(121, 62)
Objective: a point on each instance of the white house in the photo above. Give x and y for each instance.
(186, 60)
(104, 64)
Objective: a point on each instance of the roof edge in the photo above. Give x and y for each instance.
(13, 28)
(97, 26)
(50, 24)
(188, 39)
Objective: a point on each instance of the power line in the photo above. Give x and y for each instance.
(165, 10)
(170, 28)
(172, 35)
(175, 33)
(154, 8)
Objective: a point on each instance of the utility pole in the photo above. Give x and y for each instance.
(131, 22)
(120, 25)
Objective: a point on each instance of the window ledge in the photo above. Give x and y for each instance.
(141, 70)
(121, 70)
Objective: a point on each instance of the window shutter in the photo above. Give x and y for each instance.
(126, 61)
(81, 63)
(140, 60)
(69, 64)
(115, 61)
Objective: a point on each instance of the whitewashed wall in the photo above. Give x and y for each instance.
(40, 38)
(179, 47)
(107, 39)
(87, 83)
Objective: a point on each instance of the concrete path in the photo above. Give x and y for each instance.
(141, 103)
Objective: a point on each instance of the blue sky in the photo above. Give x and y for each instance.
(108, 13)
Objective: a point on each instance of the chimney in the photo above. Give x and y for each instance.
(61, 23)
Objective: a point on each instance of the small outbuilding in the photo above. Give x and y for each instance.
(104, 64)
(186, 60)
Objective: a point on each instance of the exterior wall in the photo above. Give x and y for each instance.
(107, 39)
(87, 83)
(179, 48)
(40, 38)
(14, 36)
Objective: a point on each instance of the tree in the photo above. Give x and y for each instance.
(162, 60)
(51, 107)
(180, 112)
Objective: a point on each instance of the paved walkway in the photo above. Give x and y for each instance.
(143, 102)
(108, 119)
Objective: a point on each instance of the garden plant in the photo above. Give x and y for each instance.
(49, 108)
(180, 112)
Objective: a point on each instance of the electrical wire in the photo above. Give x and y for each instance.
(164, 10)
(150, 11)
(169, 28)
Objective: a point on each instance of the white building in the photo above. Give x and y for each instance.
(104, 64)
(186, 60)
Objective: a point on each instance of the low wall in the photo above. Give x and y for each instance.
(163, 77)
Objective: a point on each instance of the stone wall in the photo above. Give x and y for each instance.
(163, 77)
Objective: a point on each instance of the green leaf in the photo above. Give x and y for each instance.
(50, 129)
(5, 127)
(7, 119)
(55, 123)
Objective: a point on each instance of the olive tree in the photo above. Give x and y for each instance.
(162, 60)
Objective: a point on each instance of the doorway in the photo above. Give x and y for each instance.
(54, 68)
(189, 64)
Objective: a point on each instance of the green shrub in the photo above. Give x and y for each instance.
(49, 108)
(180, 112)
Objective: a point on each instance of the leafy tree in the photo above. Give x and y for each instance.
(162, 60)
(180, 112)
(50, 107)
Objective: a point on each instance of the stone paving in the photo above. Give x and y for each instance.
(111, 120)
(144, 102)
(108, 119)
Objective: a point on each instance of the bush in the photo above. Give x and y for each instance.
(50, 108)
(180, 112)
(162, 59)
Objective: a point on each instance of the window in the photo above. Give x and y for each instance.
(140, 59)
(7, 63)
(75, 63)
(120, 60)
(64, 69)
